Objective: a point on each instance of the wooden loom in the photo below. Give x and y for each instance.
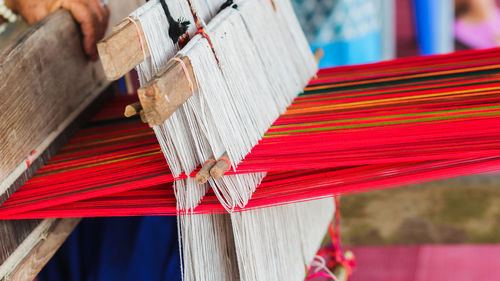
(43, 103)
(163, 94)
(136, 107)
(30, 244)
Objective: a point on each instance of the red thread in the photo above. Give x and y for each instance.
(184, 40)
(29, 160)
(200, 30)
(338, 138)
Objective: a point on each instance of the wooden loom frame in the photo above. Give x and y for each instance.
(48, 89)
(165, 92)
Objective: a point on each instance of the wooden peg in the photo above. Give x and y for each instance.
(204, 174)
(121, 51)
(221, 167)
(132, 109)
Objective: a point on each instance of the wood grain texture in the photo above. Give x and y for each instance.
(38, 251)
(167, 91)
(47, 87)
(121, 51)
(13, 233)
(46, 80)
(60, 137)
(45, 77)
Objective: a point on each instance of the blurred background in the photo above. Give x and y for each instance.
(444, 230)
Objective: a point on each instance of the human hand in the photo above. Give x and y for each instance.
(90, 14)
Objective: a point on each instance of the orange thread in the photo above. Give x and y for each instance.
(274, 5)
(200, 30)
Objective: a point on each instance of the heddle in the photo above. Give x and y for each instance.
(353, 129)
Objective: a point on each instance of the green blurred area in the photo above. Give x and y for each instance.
(453, 211)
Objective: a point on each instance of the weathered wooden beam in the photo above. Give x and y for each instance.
(121, 51)
(46, 78)
(37, 246)
(47, 81)
(47, 85)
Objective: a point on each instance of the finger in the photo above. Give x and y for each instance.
(88, 23)
(98, 9)
(107, 13)
(106, 21)
(103, 19)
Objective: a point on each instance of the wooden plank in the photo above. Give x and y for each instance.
(121, 51)
(57, 139)
(45, 77)
(47, 87)
(47, 81)
(36, 249)
(13, 30)
(13, 233)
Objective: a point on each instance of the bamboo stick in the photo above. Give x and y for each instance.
(222, 166)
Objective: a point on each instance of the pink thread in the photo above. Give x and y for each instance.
(139, 35)
(186, 73)
(320, 264)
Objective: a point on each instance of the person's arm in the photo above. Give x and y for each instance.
(92, 15)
